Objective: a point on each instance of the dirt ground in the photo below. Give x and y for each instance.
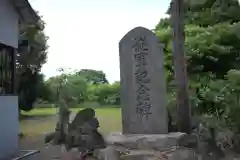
(35, 127)
(47, 152)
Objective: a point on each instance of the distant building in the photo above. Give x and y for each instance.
(12, 13)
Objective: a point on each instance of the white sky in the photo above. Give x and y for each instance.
(85, 34)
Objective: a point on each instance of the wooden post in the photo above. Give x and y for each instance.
(184, 121)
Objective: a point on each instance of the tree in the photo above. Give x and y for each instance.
(30, 58)
(78, 85)
(184, 115)
(93, 76)
(73, 87)
(212, 50)
(108, 93)
(44, 91)
(81, 88)
(209, 48)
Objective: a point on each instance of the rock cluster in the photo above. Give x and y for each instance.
(146, 147)
(82, 133)
(199, 145)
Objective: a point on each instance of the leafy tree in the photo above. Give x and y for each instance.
(208, 50)
(30, 58)
(211, 42)
(212, 51)
(73, 87)
(79, 87)
(93, 76)
(108, 94)
(44, 91)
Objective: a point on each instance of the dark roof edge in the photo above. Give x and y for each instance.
(26, 12)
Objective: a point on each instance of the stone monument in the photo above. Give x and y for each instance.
(143, 98)
(143, 86)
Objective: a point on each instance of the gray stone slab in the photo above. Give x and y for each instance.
(108, 153)
(160, 142)
(143, 86)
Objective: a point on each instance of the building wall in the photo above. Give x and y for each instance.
(9, 123)
(8, 24)
(9, 126)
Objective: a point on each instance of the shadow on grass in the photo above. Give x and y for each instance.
(34, 117)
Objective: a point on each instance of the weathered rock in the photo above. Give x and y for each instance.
(137, 141)
(139, 155)
(176, 154)
(83, 116)
(183, 154)
(83, 133)
(49, 137)
(190, 141)
(236, 143)
(108, 153)
(88, 141)
(224, 139)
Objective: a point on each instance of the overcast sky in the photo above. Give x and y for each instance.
(84, 34)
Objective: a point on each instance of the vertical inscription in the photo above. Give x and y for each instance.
(140, 53)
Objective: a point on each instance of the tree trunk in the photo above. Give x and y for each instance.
(184, 122)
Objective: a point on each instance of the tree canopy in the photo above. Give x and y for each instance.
(32, 54)
(212, 55)
(85, 85)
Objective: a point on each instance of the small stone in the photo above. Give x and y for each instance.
(190, 141)
(183, 154)
(108, 153)
(139, 155)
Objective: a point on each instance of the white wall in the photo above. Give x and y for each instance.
(8, 24)
(9, 126)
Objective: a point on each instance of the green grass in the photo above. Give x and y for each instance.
(42, 120)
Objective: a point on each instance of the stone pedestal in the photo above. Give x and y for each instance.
(146, 147)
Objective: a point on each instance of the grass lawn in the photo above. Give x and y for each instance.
(42, 120)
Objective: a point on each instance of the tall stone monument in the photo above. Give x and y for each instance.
(143, 86)
(143, 99)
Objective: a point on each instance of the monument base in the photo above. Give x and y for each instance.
(146, 147)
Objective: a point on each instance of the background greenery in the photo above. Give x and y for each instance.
(212, 48)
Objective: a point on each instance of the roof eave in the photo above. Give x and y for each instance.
(26, 13)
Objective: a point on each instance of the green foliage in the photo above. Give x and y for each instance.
(30, 58)
(230, 96)
(219, 101)
(93, 76)
(212, 56)
(208, 50)
(84, 85)
(108, 94)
